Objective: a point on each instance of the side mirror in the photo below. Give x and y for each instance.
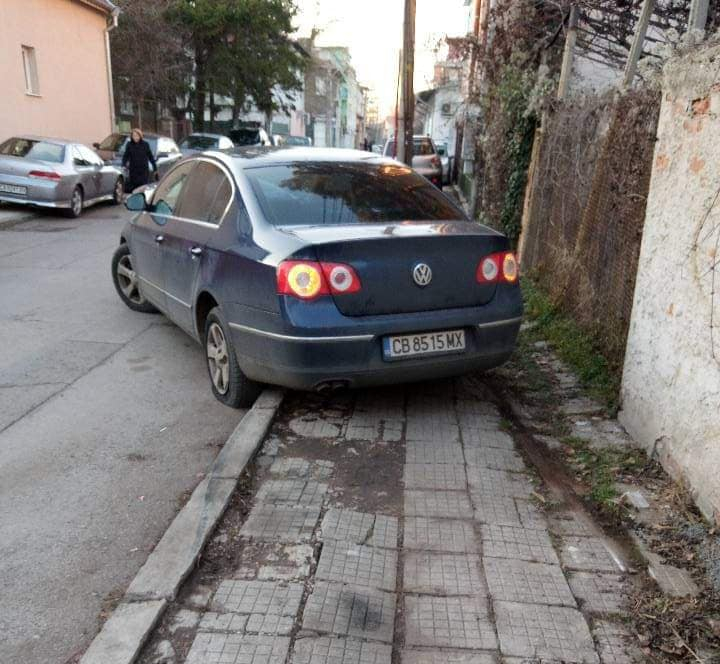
(136, 202)
(96, 146)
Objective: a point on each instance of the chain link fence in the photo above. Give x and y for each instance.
(586, 208)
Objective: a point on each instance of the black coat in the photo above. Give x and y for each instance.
(136, 159)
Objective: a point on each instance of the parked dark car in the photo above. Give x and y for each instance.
(55, 173)
(164, 149)
(316, 269)
(250, 137)
(425, 161)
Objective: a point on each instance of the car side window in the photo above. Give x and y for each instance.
(167, 195)
(89, 156)
(78, 158)
(207, 194)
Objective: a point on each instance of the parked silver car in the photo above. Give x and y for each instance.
(54, 173)
(425, 158)
(195, 143)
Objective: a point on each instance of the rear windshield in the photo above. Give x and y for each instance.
(199, 142)
(113, 142)
(30, 149)
(245, 136)
(421, 146)
(334, 193)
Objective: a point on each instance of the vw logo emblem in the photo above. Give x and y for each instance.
(422, 274)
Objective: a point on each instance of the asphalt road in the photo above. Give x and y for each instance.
(106, 423)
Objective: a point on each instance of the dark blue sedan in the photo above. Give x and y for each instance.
(318, 269)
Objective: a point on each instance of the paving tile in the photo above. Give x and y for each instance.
(531, 516)
(501, 541)
(544, 633)
(450, 504)
(522, 581)
(273, 561)
(454, 622)
(473, 406)
(672, 580)
(490, 508)
(280, 523)
(439, 535)
(433, 452)
(334, 650)
(435, 476)
(367, 613)
(222, 622)
(486, 437)
(360, 528)
(238, 649)
(299, 492)
(313, 426)
(443, 573)
(614, 643)
(431, 429)
(362, 566)
(410, 656)
(271, 607)
(480, 421)
(587, 553)
(564, 523)
(499, 482)
(495, 458)
(599, 592)
(291, 467)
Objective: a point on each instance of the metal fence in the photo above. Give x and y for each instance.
(586, 209)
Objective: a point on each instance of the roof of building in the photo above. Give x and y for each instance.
(103, 5)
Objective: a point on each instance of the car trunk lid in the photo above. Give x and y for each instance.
(385, 256)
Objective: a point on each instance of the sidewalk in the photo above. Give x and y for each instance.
(397, 523)
(13, 214)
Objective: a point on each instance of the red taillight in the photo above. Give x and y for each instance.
(499, 267)
(47, 175)
(310, 279)
(341, 278)
(435, 161)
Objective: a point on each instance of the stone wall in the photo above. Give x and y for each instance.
(671, 381)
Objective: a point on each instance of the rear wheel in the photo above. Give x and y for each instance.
(118, 191)
(76, 203)
(229, 384)
(126, 281)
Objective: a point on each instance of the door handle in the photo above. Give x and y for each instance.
(196, 251)
(159, 238)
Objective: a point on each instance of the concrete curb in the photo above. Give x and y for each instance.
(9, 218)
(159, 579)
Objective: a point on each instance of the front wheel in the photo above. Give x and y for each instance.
(229, 384)
(126, 281)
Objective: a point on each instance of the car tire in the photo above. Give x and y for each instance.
(126, 282)
(76, 203)
(118, 191)
(229, 384)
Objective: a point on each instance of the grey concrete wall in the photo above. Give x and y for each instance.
(671, 382)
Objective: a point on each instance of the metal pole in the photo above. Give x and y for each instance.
(478, 7)
(405, 147)
(568, 53)
(697, 19)
(638, 42)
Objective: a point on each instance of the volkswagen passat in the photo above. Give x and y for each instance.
(315, 269)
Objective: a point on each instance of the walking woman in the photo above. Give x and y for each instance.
(136, 159)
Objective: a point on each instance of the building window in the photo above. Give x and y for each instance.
(32, 86)
(319, 86)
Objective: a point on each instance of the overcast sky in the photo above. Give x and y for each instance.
(372, 29)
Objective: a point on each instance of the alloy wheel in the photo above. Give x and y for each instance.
(76, 202)
(127, 278)
(218, 359)
(119, 190)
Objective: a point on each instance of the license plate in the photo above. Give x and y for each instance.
(428, 343)
(12, 189)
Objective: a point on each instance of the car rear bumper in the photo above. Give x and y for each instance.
(356, 360)
(36, 202)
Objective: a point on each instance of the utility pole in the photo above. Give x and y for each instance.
(638, 42)
(568, 53)
(697, 19)
(404, 140)
(478, 7)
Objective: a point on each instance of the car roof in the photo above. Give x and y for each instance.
(251, 157)
(47, 139)
(206, 135)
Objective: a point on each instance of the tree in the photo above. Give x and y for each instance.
(150, 60)
(240, 49)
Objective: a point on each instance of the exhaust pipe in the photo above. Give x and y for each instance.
(328, 386)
